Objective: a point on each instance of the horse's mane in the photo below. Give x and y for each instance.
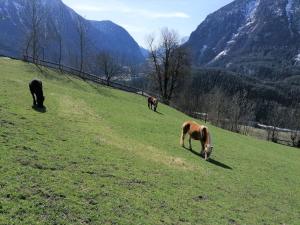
(205, 135)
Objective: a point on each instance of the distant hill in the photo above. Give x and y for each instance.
(145, 52)
(251, 37)
(118, 40)
(58, 19)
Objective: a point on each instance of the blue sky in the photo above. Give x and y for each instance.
(141, 18)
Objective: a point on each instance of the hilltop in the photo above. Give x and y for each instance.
(100, 156)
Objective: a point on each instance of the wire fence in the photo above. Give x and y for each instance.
(87, 76)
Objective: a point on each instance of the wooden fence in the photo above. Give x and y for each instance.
(86, 76)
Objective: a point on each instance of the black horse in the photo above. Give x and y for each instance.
(36, 89)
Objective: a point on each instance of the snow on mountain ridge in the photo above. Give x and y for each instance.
(289, 13)
(249, 14)
(251, 8)
(288, 9)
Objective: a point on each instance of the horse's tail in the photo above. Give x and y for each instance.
(185, 129)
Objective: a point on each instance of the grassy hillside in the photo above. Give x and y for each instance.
(99, 156)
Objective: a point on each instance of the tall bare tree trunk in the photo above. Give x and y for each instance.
(168, 62)
(82, 30)
(34, 21)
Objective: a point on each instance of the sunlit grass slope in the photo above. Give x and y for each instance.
(99, 156)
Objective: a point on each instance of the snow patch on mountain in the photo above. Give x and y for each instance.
(18, 6)
(251, 9)
(297, 58)
(203, 49)
(289, 13)
(219, 56)
(288, 9)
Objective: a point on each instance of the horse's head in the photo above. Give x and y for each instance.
(208, 148)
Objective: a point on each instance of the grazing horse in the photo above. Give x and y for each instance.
(152, 102)
(200, 133)
(36, 89)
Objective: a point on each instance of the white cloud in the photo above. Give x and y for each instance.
(120, 8)
(160, 15)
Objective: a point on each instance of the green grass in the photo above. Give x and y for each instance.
(99, 156)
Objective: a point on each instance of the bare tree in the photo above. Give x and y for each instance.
(169, 62)
(294, 123)
(217, 107)
(110, 65)
(35, 14)
(248, 108)
(241, 111)
(274, 120)
(59, 27)
(82, 34)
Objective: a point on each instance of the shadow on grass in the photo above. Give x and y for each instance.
(159, 113)
(210, 160)
(217, 163)
(40, 109)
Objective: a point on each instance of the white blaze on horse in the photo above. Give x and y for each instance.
(200, 133)
(152, 103)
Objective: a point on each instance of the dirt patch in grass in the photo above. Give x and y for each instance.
(35, 164)
(201, 198)
(25, 148)
(6, 123)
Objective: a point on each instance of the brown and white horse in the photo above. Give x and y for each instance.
(200, 133)
(152, 103)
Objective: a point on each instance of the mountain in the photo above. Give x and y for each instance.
(145, 52)
(57, 23)
(251, 37)
(118, 38)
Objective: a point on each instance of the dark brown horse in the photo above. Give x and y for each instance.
(200, 133)
(36, 90)
(152, 103)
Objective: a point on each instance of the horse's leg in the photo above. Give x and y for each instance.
(182, 138)
(33, 97)
(190, 142)
(205, 155)
(202, 149)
